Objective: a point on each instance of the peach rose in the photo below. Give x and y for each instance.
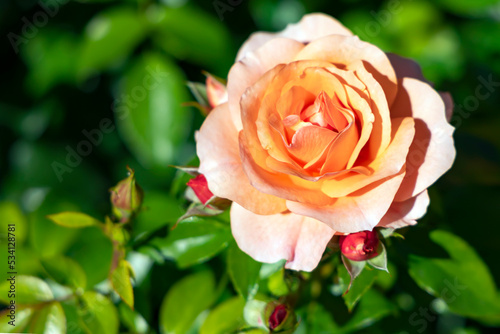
(321, 134)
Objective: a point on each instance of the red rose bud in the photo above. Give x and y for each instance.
(126, 197)
(200, 187)
(216, 92)
(359, 246)
(277, 317)
(280, 319)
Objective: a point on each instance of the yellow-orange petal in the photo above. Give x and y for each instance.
(248, 70)
(217, 148)
(347, 50)
(386, 165)
(362, 210)
(299, 240)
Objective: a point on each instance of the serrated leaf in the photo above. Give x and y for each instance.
(372, 307)
(65, 271)
(243, 271)
(148, 111)
(463, 281)
(98, 314)
(120, 281)
(73, 219)
(194, 241)
(358, 287)
(185, 300)
(380, 261)
(49, 320)
(354, 268)
(225, 318)
(28, 290)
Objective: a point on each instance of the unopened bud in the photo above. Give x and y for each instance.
(216, 91)
(126, 197)
(359, 246)
(200, 187)
(280, 319)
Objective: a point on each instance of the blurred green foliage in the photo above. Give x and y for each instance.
(91, 86)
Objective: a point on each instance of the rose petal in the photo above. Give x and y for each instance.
(359, 211)
(217, 148)
(348, 50)
(298, 239)
(309, 28)
(405, 67)
(405, 213)
(432, 152)
(387, 164)
(248, 70)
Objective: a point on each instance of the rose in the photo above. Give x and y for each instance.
(322, 134)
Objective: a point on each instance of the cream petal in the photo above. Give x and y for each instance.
(217, 148)
(359, 211)
(309, 28)
(299, 240)
(405, 213)
(432, 152)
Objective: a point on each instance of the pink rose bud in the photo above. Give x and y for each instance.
(216, 91)
(359, 246)
(126, 197)
(200, 187)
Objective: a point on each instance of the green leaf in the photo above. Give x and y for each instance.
(49, 320)
(109, 38)
(50, 58)
(148, 111)
(190, 34)
(65, 271)
(243, 270)
(158, 210)
(463, 281)
(28, 290)
(185, 300)
(120, 281)
(380, 261)
(73, 219)
(98, 314)
(354, 268)
(359, 286)
(316, 320)
(133, 320)
(93, 251)
(10, 213)
(194, 241)
(372, 307)
(225, 318)
(22, 319)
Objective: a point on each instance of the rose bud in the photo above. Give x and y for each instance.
(200, 187)
(216, 91)
(126, 197)
(359, 246)
(280, 319)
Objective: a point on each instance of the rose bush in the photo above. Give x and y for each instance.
(322, 133)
